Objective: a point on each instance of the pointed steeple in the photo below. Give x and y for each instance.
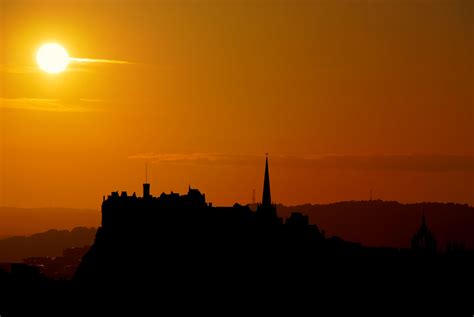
(266, 198)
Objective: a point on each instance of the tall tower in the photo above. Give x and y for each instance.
(266, 197)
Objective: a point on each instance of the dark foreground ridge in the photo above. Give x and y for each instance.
(180, 253)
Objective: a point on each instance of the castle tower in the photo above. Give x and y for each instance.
(146, 190)
(266, 197)
(146, 185)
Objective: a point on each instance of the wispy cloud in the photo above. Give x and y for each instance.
(98, 60)
(389, 162)
(44, 104)
(17, 69)
(198, 158)
(92, 100)
(74, 66)
(392, 162)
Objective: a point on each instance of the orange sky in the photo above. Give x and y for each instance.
(346, 96)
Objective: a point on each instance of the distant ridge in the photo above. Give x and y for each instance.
(50, 243)
(389, 223)
(361, 221)
(26, 221)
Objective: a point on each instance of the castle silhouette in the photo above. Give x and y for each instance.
(186, 248)
(173, 228)
(122, 209)
(180, 254)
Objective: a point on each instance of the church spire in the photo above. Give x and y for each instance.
(266, 198)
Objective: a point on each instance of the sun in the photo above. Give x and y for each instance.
(52, 58)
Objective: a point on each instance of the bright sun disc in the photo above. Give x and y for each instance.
(52, 58)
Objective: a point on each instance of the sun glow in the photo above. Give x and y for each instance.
(52, 58)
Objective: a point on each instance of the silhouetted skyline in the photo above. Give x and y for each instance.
(171, 239)
(348, 124)
(347, 97)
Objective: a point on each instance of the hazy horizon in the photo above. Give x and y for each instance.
(97, 208)
(345, 96)
(372, 223)
(349, 122)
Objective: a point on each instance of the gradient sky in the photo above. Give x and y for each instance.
(346, 96)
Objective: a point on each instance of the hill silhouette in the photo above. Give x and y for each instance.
(389, 223)
(46, 244)
(27, 221)
(384, 223)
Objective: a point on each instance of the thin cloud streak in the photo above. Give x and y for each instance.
(98, 60)
(43, 104)
(199, 158)
(391, 162)
(92, 100)
(22, 69)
